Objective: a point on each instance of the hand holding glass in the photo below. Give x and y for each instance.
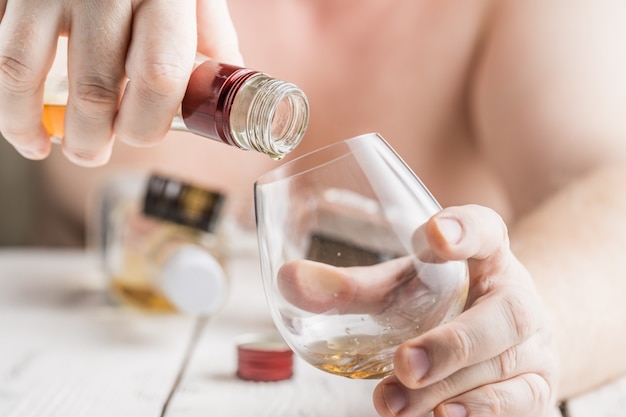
(347, 270)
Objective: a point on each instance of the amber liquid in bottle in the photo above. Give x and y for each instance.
(162, 254)
(133, 287)
(53, 117)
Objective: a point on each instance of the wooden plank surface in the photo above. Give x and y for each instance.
(67, 350)
(211, 386)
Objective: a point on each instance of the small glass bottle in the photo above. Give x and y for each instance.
(237, 106)
(163, 253)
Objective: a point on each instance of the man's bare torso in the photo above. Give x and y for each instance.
(481, 98)
(397, 68)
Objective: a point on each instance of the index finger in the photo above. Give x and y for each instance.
(28, 35)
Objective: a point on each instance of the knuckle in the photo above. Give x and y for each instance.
(98, 93)
(163, 76)
(508, 363)
(496, 401)
(87, 157)
(138, 134)
(461, 343)
(16, 76)
(442, 389)
(519, 315)
(504, 231)
(538, 391)
(139, 138)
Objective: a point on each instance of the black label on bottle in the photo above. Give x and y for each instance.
(182, 203)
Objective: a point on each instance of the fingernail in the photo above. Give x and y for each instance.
(450, 229)
(395, 398)
(28, 153)
(455, 410)
(34, 154)
(87, 159)
(419, 363)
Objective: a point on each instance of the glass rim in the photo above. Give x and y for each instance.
(339, 149)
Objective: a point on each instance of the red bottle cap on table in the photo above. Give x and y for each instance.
(263, 357)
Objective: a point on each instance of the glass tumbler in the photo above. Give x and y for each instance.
(347, 271)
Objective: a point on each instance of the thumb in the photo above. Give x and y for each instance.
(470, 232)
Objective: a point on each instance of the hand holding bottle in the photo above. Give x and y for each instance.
(151, 42)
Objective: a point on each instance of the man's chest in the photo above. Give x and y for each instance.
(392, 68)
(400, 70)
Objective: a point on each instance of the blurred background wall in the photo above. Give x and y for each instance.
(19, 198)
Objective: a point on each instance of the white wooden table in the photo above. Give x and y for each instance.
(67, 351)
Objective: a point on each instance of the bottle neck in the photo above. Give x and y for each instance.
(269, 116)
(206, 107)
(244, 108)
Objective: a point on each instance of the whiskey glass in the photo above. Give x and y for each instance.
(347, 271)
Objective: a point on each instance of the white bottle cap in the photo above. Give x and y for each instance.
(193, 281)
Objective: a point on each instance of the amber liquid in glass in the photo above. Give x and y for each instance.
(353, 356)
